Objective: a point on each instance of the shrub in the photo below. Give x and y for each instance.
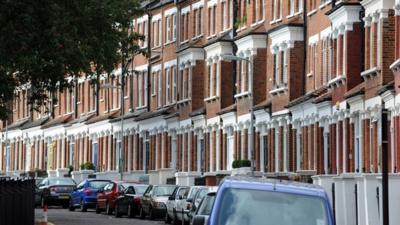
(87, 166)
(245, 163)
(71, 168)
(236, 164)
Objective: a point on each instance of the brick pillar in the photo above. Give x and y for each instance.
(280, 149)
(193, 158)
(257, 150)
(333, 149)
(397, 141)
(374, 30)
(245, 145)
(340, 55)
(367, 47)
(140, 157)
(207, 152)
(340, 146)
(214, 150)
(351, 150)
(375, 157)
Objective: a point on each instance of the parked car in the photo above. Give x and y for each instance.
(244, 200)
(205, 207)
(55, 191)
(38, 180)
(175, 205)
(84, 195)
(153, 202)
(107, 196)
(199, 195)
(129, 202)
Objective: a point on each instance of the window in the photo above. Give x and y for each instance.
(292, 7)
(159, 32)
(258, 10)
(211, 21)
(211, 79)
(140, 88)
(168, 85)
(174, 27)
(153, 83)
(155, 29)
(174, 84)
(285, 66)
(145, 33)
(277, 9)
(276, 68)
(198, 22)
(160, 96)
(168, 27)
(224, 13)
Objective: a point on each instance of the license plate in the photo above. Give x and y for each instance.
(63, 197)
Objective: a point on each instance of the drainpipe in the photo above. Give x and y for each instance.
(234, 48)
(148, 94)
(305, 38)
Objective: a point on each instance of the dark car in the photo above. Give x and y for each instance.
(153, 202)
(38, 180)
(55, 191)
(205, 207)
(129, 202)
(246, 200)
(107, 196)
(85, 194)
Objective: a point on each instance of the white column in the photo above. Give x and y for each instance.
(199, 150)
(28, 156)
(130, 149)
(344, 146)
(326, 142)
(85, 150)
(298, 148)
(134, 143)
(108, 151)
(189, 150)
(40, 153)
(163, 149)
(173, 147)
(392, 140)
(36, 164)
(285, 148)
(217, 148)
(63, 152)
(183, 139)
(337, 148)
(211, 149)
(157, 148)
(277, 149)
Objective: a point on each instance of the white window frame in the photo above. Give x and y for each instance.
(153, 83)
(174, 27)
(159, 86)
(184, 82)
(160, 32)
(292, 8)
(168, 26)
(140, 88)
(155, 30)
(174, 85)
(201, 12)
(285, 66)
(211, 80)
(224, 7)
(168, 85)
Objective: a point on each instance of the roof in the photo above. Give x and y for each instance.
(307, 96)
(387, 87)
(325, 97)
(258, 29)
(58, 121)
(231, 108)
(16, 125)
(147, 115)
(263, 105)
(246, 182)
(108, 116)
(35, 123)
(357, 90)
(223, 38)
(198, 112)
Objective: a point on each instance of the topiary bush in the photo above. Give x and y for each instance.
(87, 166)
(245, 163)
(236, 164)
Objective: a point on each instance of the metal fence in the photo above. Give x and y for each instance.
(17, 201)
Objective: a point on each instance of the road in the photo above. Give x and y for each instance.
(60, 216)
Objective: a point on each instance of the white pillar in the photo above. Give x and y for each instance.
(156, 150)
(344, 146)
(173, 147)
(277, 149)
(199, 150)
(40, 154)
(298, 148)
(326, 142)
(262, 156)
(108, 152)
(211, 150)
(189, 150)
(285, 148)
(217, 148)
(163, 150)
(63, 153)
(134, 143)
(130, 149)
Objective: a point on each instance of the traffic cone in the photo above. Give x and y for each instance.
(44, 221)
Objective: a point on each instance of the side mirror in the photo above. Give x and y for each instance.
(199, 220)
(171, 198)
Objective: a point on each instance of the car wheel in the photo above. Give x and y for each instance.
(116, 210)
(98, 210)
(130, 212)
(108, 209)
(167, 218)
(151, 214)
(175, 219)
(83, 206)
(142, 215)
(71, 205)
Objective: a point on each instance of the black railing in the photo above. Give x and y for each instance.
(17, 201)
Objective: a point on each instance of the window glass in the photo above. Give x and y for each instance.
(240, 206)
(164, 190)
(61, 181)
(98, 184)
(206, 205)
(140, 189)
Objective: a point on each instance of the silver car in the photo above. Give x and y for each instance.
(175, 205)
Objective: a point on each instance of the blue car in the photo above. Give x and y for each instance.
(84, 195)
(258, 201)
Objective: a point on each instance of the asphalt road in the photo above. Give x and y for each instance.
(59, 216)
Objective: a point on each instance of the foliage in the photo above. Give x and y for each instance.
(44, 41)
(87, 166)
(241, 163)
(70, 169)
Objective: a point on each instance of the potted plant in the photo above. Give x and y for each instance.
(87, 166)
(241, 167)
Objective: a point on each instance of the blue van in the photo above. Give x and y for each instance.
(259, 201)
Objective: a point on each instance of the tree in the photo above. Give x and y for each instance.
(43, 41)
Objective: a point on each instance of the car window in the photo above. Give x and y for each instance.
(61, 181)
(43, 183)
(140, 189)
(240, 206)
(202, 193)
(81, 185)
(108, 187)
(206, 205)
(164, 190)
(97, 184)
(183, 192)
(130, 190)
(193, 192)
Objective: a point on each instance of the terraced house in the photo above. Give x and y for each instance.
(320, 77)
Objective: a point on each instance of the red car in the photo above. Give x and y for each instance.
(107, 196)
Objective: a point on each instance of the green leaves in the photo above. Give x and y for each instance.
(43, 41)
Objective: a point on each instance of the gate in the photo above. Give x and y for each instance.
(17, 201)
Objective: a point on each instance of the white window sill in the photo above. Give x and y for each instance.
(242, 95)
(368, 74)
(126, 97)
(395, 66)
(101, 100)
(279, 89)
(309, 74)
(276, 21)
(257, 23)
(184, 42)
(210, 99)
(337, 81)
(298, 13)
(212, 36)
(169, 42)
(153, 95)
(141, 107)
(290, 16)
(183, 101)
(197, 37)
(312, 12)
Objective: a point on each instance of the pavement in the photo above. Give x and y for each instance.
(59, 216)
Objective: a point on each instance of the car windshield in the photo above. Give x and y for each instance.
(193, 192)
(97, 184)
(202, 193)
(252, 207)
(206, 205)
(61, 181)
(164, 190)
(140, 189)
